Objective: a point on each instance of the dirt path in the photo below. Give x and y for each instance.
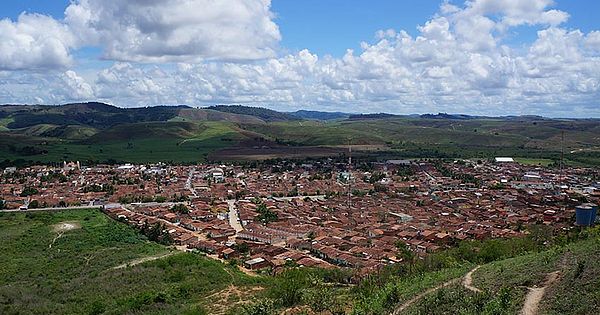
(419, 296)
(468, 280)
(535, 295)
(63, 227)
(143, 260)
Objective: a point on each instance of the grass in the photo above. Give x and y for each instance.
(380, 300)
(504, 284)
(532, 161)
(522, 271)
(76, 275)
(152, 144)
(456, 299)
(578, 289)
(4, 123)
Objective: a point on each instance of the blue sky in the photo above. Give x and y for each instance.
(488, 57)
(332, 26)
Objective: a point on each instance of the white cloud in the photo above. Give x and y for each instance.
(518, 12)
(34, 42)
(457, 62)
(142, 31)
(75, 87)
(177, 30)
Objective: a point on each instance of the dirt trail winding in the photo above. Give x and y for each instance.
(143, 260)
(467, 281)
(419, 296)
(535, 295)
(63, 227)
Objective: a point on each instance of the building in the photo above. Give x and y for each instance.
(504, 160)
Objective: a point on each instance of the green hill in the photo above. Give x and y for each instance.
(83, 270)
(263, 113)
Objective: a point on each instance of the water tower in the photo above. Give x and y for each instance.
(584, 215)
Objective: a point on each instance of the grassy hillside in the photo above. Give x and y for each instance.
(102, 116)
(260, 112)
(47, 271)
(505, 284)
(180, 142)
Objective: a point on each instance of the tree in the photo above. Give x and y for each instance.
(265, 215)
(34, 204)
(157, 233)
(243, 248)
(2, 204)
(28, 191)
(404, 252)
(180, 208)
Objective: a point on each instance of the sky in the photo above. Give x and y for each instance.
(480, 57)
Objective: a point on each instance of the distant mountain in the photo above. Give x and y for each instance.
(317, 115)
(371, 116)
(449, 116)
(102, 116)
(260, 112)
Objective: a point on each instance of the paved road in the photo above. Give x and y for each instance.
(188, 183)
(234, 219)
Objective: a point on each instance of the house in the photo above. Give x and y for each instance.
(257, 263)
(229, 253)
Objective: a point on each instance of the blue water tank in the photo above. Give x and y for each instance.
(594, 212)
(583, 215)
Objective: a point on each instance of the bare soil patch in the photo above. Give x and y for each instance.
(66, 226)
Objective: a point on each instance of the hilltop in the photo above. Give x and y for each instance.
(318, 115)
(260, 112)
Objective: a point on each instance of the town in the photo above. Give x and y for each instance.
(324, 213)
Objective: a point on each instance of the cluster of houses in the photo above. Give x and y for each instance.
(316, 216)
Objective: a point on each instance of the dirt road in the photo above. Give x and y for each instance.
(466, 281)
(535, 295)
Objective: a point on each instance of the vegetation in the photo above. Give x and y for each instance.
(180, 208)
(265, 215)
(29, 191)
(74, 274)
(263, 113)
(157, 233)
